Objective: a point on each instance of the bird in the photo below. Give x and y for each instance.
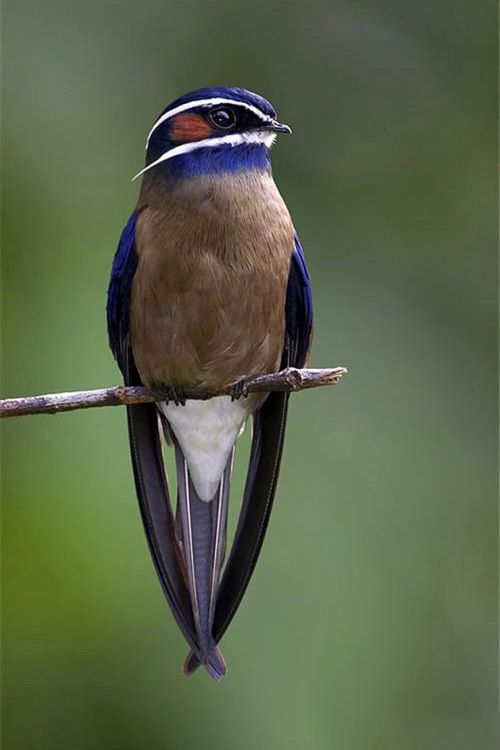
(209, 287)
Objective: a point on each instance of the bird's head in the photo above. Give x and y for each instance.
(210, 131)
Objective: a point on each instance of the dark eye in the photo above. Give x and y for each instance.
(223, 118)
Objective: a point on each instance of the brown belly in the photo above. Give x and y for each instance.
(208, 297)
(207, 326)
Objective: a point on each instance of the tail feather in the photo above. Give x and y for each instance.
(203, 542)
(215, 665)
(156, 513)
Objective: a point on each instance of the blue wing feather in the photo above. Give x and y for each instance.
(299, 308)
(119, 290)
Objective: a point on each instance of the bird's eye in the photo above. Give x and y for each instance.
(223, 118)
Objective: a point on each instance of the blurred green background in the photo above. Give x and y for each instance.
(371, 619)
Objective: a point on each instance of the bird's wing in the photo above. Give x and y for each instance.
(119, 291)
(145, 445)
(299, 308)
(267, 446)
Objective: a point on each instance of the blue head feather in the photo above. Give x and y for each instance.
(213, 160)
(224, 92)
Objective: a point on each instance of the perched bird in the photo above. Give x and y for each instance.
(209, 287)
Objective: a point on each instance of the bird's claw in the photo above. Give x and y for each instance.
(170, 393)
(238, 390)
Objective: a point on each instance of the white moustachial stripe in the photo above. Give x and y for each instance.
(235, 139)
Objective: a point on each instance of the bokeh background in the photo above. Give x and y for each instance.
(371, 619)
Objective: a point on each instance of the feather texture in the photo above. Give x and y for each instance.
(209, 286)
(208, 304)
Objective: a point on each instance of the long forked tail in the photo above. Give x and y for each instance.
(203, 527)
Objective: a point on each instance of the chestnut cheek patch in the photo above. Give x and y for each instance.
(189, 127)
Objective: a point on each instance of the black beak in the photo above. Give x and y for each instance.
(277, 127)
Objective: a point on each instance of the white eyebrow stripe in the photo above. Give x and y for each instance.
(236, 139)
(206, 103)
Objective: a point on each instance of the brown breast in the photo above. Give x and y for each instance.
(208, 297)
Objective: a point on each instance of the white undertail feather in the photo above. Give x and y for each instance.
(206, 432)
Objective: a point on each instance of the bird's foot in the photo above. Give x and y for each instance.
(239, 389)
(168, 393)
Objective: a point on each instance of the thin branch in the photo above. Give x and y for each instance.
(288, 380)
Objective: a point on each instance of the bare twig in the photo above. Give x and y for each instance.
(289, 380)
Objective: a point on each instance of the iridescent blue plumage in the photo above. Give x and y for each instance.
(119, 291)
(235, 93)
(299, 311)
(219, 161)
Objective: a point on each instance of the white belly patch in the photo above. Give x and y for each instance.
(206, 432)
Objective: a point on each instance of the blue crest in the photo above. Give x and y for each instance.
(224, 92)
